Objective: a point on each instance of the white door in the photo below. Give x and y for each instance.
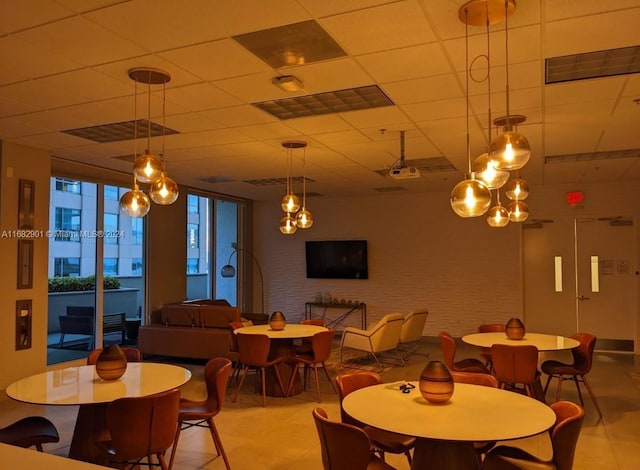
(579, 275)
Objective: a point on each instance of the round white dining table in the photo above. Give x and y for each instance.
(544, 342)
(82, 386)
(282, 345)
(446, 432)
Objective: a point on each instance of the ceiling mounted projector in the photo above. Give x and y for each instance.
(288, 83)
(400, 170)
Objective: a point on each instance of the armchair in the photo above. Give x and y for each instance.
(381, 337)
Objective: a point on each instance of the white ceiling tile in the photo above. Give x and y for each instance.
(237, 116)
(423, 89)
(383, 117)
(431, 110)
(583, 90)
(565, 9)
(390, 26)
(201, 96)
(319, 124)
(17, 16)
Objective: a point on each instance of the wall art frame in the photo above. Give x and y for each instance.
(26, 202)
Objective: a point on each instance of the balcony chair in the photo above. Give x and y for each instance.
(381, 441)
(582, 360)
(30, 431)
(254, 352)
(411, 332)
(343, 446)
(448, 346)
(515, 365)
(201, 413)
(141, 427)
(381, 337)
(564, 437)
(321, 344)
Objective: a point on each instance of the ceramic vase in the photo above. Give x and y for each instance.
(277, 321)
(111, 363)
(436, 383)
(515, 329)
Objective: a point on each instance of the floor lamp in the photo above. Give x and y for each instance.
(229, 271)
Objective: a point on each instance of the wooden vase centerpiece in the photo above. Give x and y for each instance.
(515, 329)
(277, 321)
(436, 383)
(111, 363)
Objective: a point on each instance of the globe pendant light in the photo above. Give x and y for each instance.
(498, 216)
(518, 211)
(486, 171)
(517, 190)
(470, 197)
(510, 150)
(147, 168)
(134, 203)
(304, 219)
(164, 190)
(288, 225)
(290, 202)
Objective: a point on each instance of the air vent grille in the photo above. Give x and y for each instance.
(277, 181)
(340, 101)
(589, 156)
(597, 64)
(119, 131)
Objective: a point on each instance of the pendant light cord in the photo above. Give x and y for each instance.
(304, 178)
(466, 65)
(164, 117)
(149, 115)
(506, 55)
(135, 128)
(488, 68)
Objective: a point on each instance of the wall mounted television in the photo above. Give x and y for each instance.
(337, 259)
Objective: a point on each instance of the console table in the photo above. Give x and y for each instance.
(350, 308)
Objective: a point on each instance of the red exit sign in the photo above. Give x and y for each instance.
(575, 197)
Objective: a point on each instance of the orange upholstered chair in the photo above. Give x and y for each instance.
(305, 346)
(141, 427)
(254, 352)
(382, 441)
(30, 431)
(201, 413)
(321, 344)
(564, 437)
(448, 346)
(515, 365)
(132, 355)
(343, 446)
(582, 360)
(474, 378)
(486, 352)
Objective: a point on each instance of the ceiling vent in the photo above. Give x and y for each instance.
(597, 64)
(390, 189)
(119, 131)
(216, 179)
(350, 99)
(590, 156)
(277, 181)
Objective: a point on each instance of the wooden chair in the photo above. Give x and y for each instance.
(564, 437)
(411, 331)
(382, 441)
(343, 446)
(381, 337)
(132, 355)
(141, 427)
(201, 413)
(233, 346)
(486, 352)
(254, 352)
(321, 344)
(515, 365)
(30, 431)
(582, 360)
(448, 346)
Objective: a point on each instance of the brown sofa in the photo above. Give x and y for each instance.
(190, 329)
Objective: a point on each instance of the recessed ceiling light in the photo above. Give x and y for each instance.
(288, 83)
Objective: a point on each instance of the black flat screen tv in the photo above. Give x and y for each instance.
(337, 259)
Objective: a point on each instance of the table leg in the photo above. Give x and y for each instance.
(282, 348)
(444, 455)
(91, 426)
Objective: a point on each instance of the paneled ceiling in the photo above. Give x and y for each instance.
(65, 63)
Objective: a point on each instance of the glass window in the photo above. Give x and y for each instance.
(70, 186)
(192, 265)
(66, 267)
(193, 204)
(136, 230)
(110, 266)
(136, 266)
(192, 235)
(111, 192)
(67, 224)
(111, 226)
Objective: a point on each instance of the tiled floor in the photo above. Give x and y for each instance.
(282, 435)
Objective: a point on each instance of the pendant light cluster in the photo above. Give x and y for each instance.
(297, 216)
(148, 168)
(509, 151)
